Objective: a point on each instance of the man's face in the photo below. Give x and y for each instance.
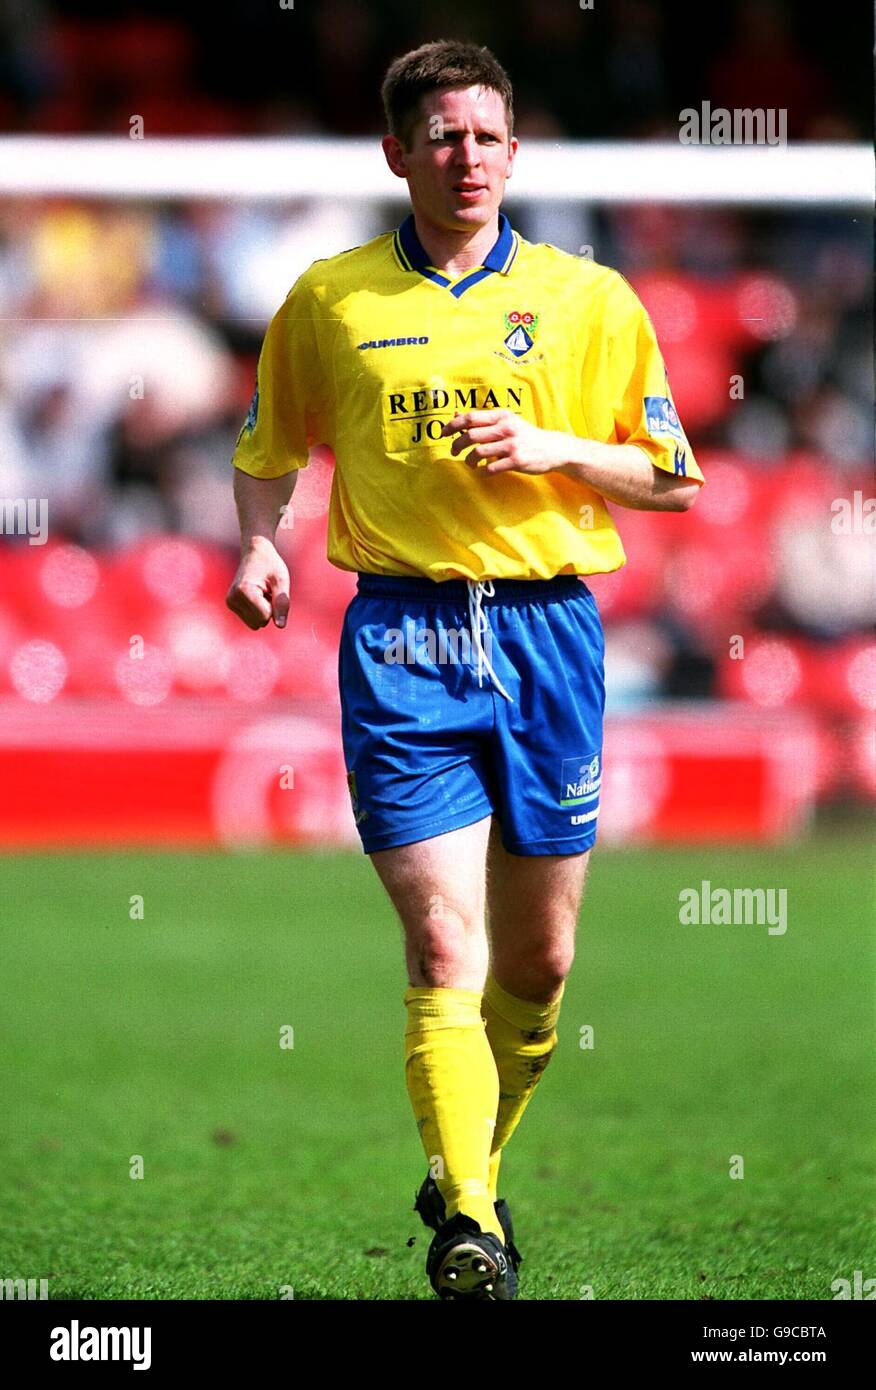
(459, 157)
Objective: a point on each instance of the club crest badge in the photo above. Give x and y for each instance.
(521, 331)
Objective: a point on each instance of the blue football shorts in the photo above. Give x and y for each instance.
(461, 700)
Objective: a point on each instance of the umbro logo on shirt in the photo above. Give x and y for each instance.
(392, 342)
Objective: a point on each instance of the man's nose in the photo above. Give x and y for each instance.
(468, 151)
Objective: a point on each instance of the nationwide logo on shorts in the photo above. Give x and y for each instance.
(521, 331)
(581, 780)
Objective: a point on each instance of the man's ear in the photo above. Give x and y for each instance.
(394, 153)
(513, 146)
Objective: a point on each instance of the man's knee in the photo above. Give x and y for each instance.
(446, 946)
(538, 972)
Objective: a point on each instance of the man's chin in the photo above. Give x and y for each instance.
(472, 215)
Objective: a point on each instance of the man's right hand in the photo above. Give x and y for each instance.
(260, 589)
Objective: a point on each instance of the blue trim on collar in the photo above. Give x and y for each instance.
(462, 285)
(499, 258)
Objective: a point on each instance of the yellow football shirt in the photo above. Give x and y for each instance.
(374, 349)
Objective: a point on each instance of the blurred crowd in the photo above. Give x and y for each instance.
(128, 356)
(619, 69)
(129, 333)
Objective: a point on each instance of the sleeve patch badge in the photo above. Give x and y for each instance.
(661, 417)
(252, 414)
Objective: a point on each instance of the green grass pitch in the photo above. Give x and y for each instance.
(268, 1169)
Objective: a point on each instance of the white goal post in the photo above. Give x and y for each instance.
(281, 169)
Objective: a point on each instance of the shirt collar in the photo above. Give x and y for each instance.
(413, 255)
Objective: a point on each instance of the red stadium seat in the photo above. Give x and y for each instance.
(844, 677)
(167, 572)
(198, 640)
(699, 341)
(308, 655)
(254, 668)
(137, 47)
(634, 590)
(765, 307)
(770, 671)
(92, 656)
(38, 670)
(144, 677)
(802, 486)
(730, 504)
(11, 636)
(713, 588)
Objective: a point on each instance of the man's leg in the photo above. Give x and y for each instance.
(437, 887)
(533, 904)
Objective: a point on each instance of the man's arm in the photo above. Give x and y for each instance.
(623, 473)
(498, 440)
(260, 588)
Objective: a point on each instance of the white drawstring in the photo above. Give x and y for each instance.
(479, 625)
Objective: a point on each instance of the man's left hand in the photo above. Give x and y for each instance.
(498, 440)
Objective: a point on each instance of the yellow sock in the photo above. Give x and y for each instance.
(523, 1037)
(454, 1089)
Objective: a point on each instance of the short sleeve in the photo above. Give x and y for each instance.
(287, 412)
(644, 411)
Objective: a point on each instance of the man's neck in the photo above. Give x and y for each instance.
(455, 252)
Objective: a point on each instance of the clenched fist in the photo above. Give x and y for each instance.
(260, 588)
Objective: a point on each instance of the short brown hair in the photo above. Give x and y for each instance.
(444, 63)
